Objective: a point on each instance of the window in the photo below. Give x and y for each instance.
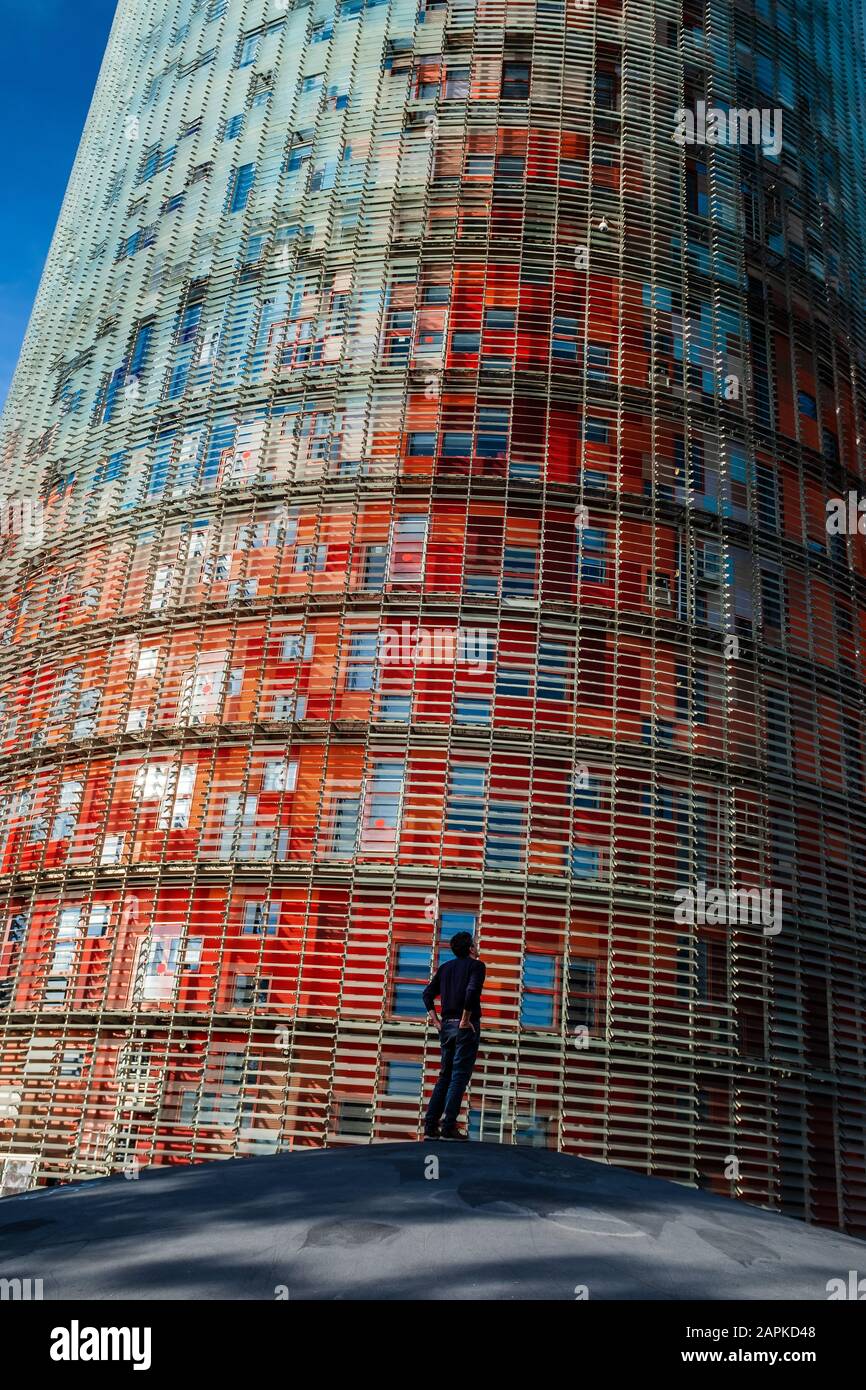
(396, 709)
(591, 564)
(710, 969)
(538, 1003)
(456, 84)
(98, 919)
(299, 155)
(513, 682)
(151, 781)
(501, 320)
(464, 806)
(407, 549)
(585, 861)
(581, 1007)
(63, 825)
(323, 176)
(241, 187)
(807, 405)
(241, 589)
(437, 294)
(585, 792)
(465, 342)
(374, 566)
(450, 924)
(298, 647)
(492, 435)
(161, 587)
(479, 165)
(553, 663)
(404, 1079)
(346, 815)
(510, 168)
(174, 811)
(68, 932)
(250, 992)
(354, 1119)
(280, 775)
(310, 559)
(233, 126)
(596, 431)
(658, 588)
(564, 345)
(697, 187)
(361, 660)
(504, 844)
(829, 445)
(149, 164)
(192, 952)
(421, 444)
(772, 601)
(606, 90)
(411, 973)
(85, 722)
(519, 570)
(515, 82)
(261, 918)
(384, 802)
(692, 693)
(598, 361)
(63, 962)
(71, 1063)
(468, 711)
(249, 47)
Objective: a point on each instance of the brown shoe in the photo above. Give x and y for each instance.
(454, 1134)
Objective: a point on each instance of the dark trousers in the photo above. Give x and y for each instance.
(459, 1050)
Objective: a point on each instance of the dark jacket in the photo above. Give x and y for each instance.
(459, 983)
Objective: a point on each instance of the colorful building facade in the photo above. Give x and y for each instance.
(422, 459)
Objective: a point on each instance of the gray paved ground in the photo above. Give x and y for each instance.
(365, 1222)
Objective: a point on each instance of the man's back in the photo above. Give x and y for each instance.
(458, 983)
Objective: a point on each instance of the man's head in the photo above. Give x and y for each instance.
(463, 944)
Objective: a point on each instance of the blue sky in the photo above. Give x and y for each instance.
(52, 51)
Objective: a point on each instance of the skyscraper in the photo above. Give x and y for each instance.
(429, 452)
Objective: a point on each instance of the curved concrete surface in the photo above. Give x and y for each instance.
(378, 1222)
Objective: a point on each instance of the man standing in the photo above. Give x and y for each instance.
(458, 983)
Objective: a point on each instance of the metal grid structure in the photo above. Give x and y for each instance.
(434, 457)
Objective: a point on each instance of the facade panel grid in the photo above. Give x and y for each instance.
(433, 458)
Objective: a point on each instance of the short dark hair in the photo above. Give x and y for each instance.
(461, 944)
